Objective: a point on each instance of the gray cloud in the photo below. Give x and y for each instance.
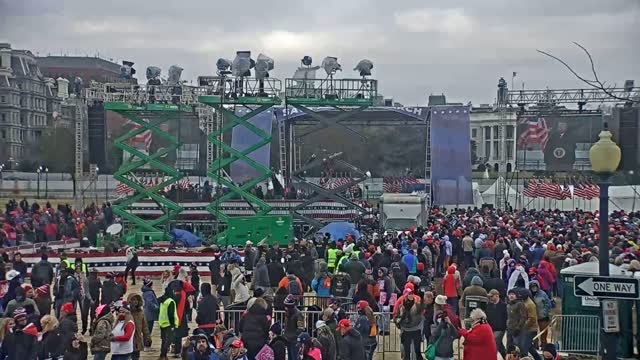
(459, 48)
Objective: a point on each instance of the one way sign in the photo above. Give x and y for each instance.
(607, 287)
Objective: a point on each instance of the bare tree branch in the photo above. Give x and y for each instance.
(596, 83)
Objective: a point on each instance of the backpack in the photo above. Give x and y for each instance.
(293, 287)
(340, 286)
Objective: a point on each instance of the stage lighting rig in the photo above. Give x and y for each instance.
(364, 67)
(175, 73)
(331, 66)
(264, 64)
(223, 65)
(153, 75)
(241, 68)
(306, 60)
(126, 70)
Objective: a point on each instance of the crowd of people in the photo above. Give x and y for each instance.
(423, 281)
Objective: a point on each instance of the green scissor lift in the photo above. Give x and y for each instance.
(148, 117)
(225, 101)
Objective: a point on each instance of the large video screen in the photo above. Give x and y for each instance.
(556, 142)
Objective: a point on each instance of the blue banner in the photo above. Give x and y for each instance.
(242, 138)
(451, 155)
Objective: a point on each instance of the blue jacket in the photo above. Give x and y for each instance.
(411, 261)
(151, 306)
(318, 286)
(212, 356)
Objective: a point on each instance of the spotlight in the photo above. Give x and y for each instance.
(306, 60)
(223, 66)
(264, 64)
(364, 67)
(153, 75)
(330, 65)
(242, 64)
(175, 72)
(126, 70)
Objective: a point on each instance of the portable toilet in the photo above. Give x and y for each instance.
(573, 333)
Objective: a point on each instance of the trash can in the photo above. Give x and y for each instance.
(590, 306)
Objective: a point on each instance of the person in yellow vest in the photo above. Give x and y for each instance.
(348, 251)
(332, 257)
(64, 260)
(79, 263)
(167, 320)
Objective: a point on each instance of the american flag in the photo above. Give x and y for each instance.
(122, 189)
(550, 190)
(531, 188)
(333, 183)
(395, 184)
(587, 190)
(566, 191)
(183, 183)
(144, 137)
(536, 132)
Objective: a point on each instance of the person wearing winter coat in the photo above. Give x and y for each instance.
(321, 283)
(141, 336)
(478, 341)
(78, 349)
(21, 301)
(43, 300)
(518, 278)
(308, 348)
(151, 305)
(122, 335)
(21, 343)
(351, 345)
(444, 334)
(238, 285)
(51, 345)
(366, 325)
(254, 327)
(408, 319)
(475, 289)
(261, 275)
(13, 277)
(294, 325)
(42, 272)
(100, 339)
(277, 342)
(201, 349)
(207, 314)
(451, 286)
(497, 319)
(132, 264)
(327, 340)
(68, 323)
(111, 292)
(543, 307)
(516, 317)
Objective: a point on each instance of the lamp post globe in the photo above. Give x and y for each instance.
(605, 158)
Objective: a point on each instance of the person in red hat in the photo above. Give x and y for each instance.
(408, 318)
(68, 323)
(43, 300)
(352, 347)
(366, 325)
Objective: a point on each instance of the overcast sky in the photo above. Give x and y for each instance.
(419, 47)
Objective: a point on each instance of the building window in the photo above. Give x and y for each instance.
(4, 134)
(496, 149)
(487, 150)
(487, 133)
(3, 99)
(496, 131)
(508, 167)
(474, 133)
(509, 149)
(3, 117)
(510, 131)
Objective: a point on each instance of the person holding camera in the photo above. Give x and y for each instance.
(201, 350)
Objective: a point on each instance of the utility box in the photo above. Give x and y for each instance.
(256, 228)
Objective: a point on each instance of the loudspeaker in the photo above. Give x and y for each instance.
(628, 119)
(97, 129)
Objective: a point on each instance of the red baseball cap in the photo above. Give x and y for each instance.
(344, 323)
(362, 304)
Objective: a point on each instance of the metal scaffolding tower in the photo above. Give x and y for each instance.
(225, 95)
(347, 97)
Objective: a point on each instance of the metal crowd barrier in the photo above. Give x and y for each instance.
(576, 334)
(388, 334)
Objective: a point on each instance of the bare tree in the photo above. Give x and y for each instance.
(595, 83)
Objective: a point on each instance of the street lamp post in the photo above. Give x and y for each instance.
(605, 158)
(46, 183)
(38, 170)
